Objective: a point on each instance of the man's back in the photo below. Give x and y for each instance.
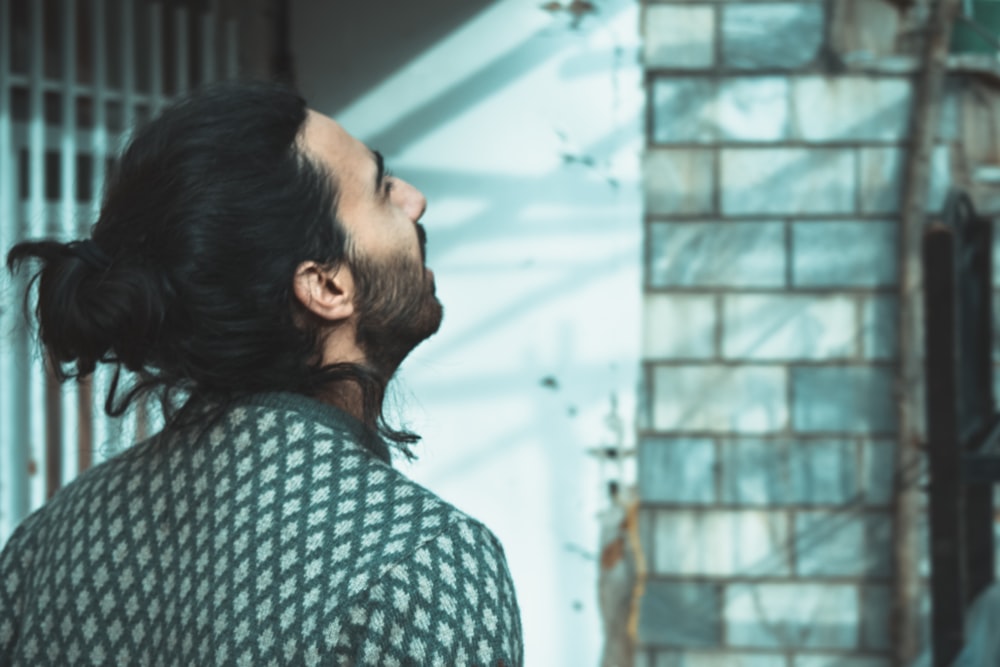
(272, 537)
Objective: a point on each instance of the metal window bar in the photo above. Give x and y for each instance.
(10, 422)
(181, 50)
(208, 48)
(35, 217)
(51, 433)
(99, 146)
(232, 53)
(69, 402)
(156, 59)
(125, 429)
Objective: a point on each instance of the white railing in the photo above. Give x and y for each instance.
(49, 434)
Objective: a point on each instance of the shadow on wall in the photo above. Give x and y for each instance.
(356, 67)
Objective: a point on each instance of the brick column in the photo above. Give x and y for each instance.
(767, 439)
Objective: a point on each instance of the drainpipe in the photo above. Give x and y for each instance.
(905, 619)
(282, 63)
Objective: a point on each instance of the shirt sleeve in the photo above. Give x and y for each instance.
(450, 603)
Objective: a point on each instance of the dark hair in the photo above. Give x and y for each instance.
(203, 222)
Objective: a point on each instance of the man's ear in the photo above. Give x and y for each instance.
(327, 293)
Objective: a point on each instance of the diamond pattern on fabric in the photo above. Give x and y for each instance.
(271, 538)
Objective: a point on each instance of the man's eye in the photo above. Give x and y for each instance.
(388, 185)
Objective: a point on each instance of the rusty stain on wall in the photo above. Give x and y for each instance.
(619, 583)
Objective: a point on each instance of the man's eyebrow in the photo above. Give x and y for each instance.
(380, 170)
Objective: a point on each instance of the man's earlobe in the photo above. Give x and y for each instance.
(327, 293)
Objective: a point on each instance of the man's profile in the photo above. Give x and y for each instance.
(258, 270)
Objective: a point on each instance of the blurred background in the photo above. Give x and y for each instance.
(677, 246)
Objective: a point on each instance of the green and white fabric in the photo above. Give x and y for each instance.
(271, 538)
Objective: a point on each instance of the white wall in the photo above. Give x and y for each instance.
(525, 135)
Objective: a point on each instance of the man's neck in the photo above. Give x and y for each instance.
(347, 396)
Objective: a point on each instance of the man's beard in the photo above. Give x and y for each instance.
(397, 308)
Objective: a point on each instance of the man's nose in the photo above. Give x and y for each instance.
(410, 199)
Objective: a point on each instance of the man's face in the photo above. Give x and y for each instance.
(397, 307)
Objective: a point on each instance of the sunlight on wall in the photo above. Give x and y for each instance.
(525, 135)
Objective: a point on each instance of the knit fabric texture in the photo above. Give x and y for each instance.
(273, 537)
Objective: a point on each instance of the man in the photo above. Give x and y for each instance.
(258, 270)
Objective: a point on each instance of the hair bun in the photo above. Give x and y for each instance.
(90, 253)
(90, 310)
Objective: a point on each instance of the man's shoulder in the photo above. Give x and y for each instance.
(342, 494)
(96, 490)
(384, 508)
(429, 573)
(430, 516)
(449, 593)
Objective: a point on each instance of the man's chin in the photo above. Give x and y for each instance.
(438, 317)
(387, 346)
(428, 322)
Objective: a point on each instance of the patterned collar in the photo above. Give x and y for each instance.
(316, 411)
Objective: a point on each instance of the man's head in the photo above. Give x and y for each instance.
(252, 245)
(380, 303)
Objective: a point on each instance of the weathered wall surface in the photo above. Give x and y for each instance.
(766, 454)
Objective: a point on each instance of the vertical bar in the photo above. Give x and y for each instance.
(52, 466)
(36, 228)
(153, 423)
(126, 425)
(53, 431)
(102, 429)
(85, 406)
(128, 64)
(70, 400)
(12, 497)
(181, 35)
(944, 448)
(988, 321)
(150, 422)
(100, 433)
(981, 554)
(208, 44)
(232, 50)
(156, 55)
(99, 145)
